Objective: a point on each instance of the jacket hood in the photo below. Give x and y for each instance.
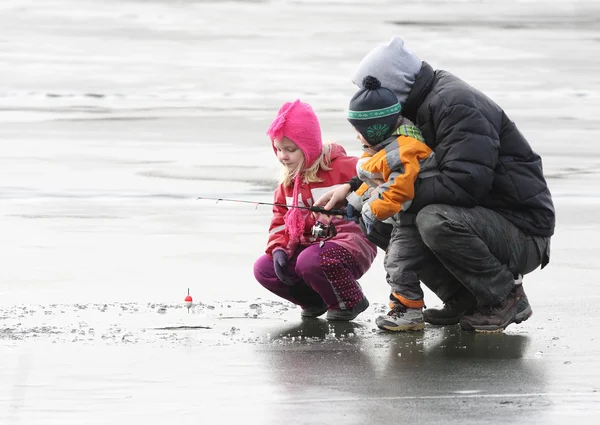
(337, 151)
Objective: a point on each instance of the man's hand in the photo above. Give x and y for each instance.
(334, 197)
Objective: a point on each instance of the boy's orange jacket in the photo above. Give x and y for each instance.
(389, 174)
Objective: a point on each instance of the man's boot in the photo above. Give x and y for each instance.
(462, 303)
(514, 309)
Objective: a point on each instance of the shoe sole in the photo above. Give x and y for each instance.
(332, 318)
(314, 314)
(519, 317)
(390, 326)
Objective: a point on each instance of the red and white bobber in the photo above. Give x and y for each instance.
(188, 301)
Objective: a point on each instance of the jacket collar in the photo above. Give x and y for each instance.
(419, 91)
(372, 150)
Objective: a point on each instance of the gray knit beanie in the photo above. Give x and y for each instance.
(392, 64)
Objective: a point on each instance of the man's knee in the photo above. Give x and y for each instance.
(430, 221)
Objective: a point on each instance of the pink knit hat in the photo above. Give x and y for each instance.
(298, 122)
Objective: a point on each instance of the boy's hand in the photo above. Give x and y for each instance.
(368, 220)
(352, 214)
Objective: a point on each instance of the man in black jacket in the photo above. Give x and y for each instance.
(486, 218)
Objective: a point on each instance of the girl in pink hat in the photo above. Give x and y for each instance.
(317, 273)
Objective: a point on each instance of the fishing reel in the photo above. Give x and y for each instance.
(323, 231)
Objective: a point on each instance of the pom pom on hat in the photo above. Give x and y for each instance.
(371, 83)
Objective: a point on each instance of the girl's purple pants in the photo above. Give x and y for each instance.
(327, 273)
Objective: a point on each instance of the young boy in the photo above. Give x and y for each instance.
(395, 155)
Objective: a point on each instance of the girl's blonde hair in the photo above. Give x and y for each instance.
(310, 174)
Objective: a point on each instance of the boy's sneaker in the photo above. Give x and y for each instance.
(314, 311)
(461, 304)
(514, 309)
(401, 318)
(347, 315)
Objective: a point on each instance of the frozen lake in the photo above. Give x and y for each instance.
(115, 116)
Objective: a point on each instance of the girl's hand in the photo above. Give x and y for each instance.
(280, 263)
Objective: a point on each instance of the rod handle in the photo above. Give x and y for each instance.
(328, 212)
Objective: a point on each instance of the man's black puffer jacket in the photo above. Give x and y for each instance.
(482, 157)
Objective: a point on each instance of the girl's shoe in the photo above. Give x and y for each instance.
(347, 315)
(314, 311)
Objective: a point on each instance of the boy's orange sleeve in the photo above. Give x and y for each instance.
(397, 192)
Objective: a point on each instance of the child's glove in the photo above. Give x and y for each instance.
(280, 262)
(352, 214)
(368, 220)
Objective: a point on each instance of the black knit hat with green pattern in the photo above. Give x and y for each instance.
(374, 111)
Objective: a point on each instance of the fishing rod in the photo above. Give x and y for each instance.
(313, 209)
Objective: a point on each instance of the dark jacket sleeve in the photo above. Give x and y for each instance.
(467, 153)
(354, 183)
